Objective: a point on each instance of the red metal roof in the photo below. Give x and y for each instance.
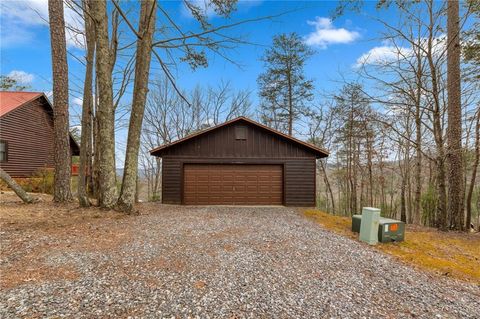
(9, 101)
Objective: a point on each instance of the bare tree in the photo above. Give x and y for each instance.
(146, 29)
(353, 112)
(87, 108)
(456, 189)
(475, 166)
(105, 119)
(320, 132)
(62, 156)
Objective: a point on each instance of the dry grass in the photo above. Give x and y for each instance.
(74, 229)
(445, 253)
(46, 215)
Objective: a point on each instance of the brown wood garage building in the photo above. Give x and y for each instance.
(239, 162)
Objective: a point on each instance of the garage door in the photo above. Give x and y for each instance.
(207, 184)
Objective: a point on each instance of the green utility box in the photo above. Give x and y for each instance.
(369, 225)
(388, 229)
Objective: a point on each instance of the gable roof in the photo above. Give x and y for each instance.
(320, 152)
(9, 101)
(12, 100)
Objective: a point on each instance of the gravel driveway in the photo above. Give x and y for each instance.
(216, 262)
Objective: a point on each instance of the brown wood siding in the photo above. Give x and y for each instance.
(29, 133)
(300, 183)
(223, 143)
(171, 181)
(233, 184)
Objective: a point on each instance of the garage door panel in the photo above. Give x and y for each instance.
(233, 184)
(215, 188)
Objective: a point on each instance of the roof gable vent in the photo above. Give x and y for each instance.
(240, 132)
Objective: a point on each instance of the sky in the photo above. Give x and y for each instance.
(338, 44)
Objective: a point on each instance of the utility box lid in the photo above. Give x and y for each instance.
(389, 221)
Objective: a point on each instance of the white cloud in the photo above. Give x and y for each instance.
(387, 52)
(77, 101)
(382, 54)
(21, 77)
(326, 34)
(18, 20)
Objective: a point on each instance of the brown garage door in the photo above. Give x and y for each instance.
(207, 184)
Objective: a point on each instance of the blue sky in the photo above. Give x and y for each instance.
(25, 44)
(330, 57)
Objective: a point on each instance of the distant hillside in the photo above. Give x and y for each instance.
(141, 172)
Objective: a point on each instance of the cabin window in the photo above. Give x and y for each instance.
(240, 133)
(3, 151)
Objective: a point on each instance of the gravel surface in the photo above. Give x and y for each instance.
(215, 262)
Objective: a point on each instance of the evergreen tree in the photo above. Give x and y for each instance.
(284, 90)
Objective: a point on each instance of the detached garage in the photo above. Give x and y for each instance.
(240, 162)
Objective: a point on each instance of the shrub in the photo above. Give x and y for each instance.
(154, 198)
(40, 182)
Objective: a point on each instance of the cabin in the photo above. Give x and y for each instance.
(239, 162)
(26, 134)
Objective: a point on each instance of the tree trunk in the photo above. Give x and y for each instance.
(146, 29)
(62, 156)
(15, 187)
(290, 104)
(105, 117)
(158, 177)
(369, 166)
(417, 218)
(86, 139)
(137, 189)
(327, 183)
(403, 209)
(418, 166)
(94, 159)
(454, 131)
(442, 213)
(406, 193)
(474, 174)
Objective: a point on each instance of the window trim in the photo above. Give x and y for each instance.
(6, 151)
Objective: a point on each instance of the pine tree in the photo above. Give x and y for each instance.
(62, 156)
(284, 90)
(456, 190)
